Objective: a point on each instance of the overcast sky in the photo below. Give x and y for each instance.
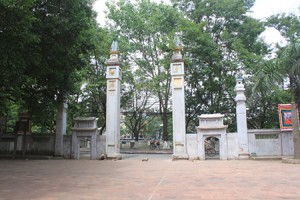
(261, 10)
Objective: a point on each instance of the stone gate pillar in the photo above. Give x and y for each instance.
(241, 119)
(178, 103)
(61, 128)
(113, 76)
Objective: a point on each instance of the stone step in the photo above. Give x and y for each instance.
(244, 156)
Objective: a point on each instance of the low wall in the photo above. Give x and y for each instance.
(192, 146)
(6, 144)
(266, 142)
(262, 142)
(43, 145)
(35, 144)
(67, 146)
(101, 141)
(232, 146)
(270, 142)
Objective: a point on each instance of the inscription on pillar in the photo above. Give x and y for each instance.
(177, 69)
(113, 72)
(178, 83)
(112, 85)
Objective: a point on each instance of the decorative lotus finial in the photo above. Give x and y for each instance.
(177, 56)
(177, 41)
(239, 76)
(114, 46)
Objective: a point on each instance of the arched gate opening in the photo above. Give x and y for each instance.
(212, 147)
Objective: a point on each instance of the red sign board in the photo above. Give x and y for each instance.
(285, 117)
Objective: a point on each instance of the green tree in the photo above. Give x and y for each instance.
(263, 100)
(47, 44)
(220, 39)
(146, 30)
(139, 112)
(16, 36)
(290, 65)
(286, 65)
(90, 100)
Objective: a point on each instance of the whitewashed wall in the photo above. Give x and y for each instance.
(232, 146)
(101, 140)
(192, 146)
(260, 144)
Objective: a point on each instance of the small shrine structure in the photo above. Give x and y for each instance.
(84, 127)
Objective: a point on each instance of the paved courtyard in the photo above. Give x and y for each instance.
(158, 178)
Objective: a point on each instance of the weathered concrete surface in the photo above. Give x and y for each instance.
(275, 146)
(158, 178)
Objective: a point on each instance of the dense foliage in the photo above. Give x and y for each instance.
(45, 45)
(53, 52)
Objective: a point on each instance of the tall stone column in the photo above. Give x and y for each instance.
(113, 76)
(241, 119)
(178, 103)
(61, 128)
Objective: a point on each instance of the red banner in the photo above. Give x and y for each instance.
(285, 117)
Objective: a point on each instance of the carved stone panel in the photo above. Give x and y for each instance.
(177, 69)
(113, 72)
(111, 85)
(178, 83)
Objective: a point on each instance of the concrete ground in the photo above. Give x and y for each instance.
(155, 179)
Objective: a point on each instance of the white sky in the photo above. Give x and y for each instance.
(261, 10)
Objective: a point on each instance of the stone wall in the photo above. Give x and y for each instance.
(261, 143)
(6, 144)
(270, 142)
(101, 141)
(41, 145)
(67, 146)
(232, 146)
(266, 142)
(192, 146)
(35, 144)
(44, 145)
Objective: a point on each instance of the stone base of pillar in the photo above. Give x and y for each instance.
(115, 156)
(244, 156)
(180, 157)
(58, 157)
(296, 145)
(291, 161)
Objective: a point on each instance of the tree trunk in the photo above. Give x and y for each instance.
(103, 127)
(295, 124)
(136, 135)
(296, 131)
(165, 127)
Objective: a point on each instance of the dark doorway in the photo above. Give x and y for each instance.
(212, 148)
(85, 147)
